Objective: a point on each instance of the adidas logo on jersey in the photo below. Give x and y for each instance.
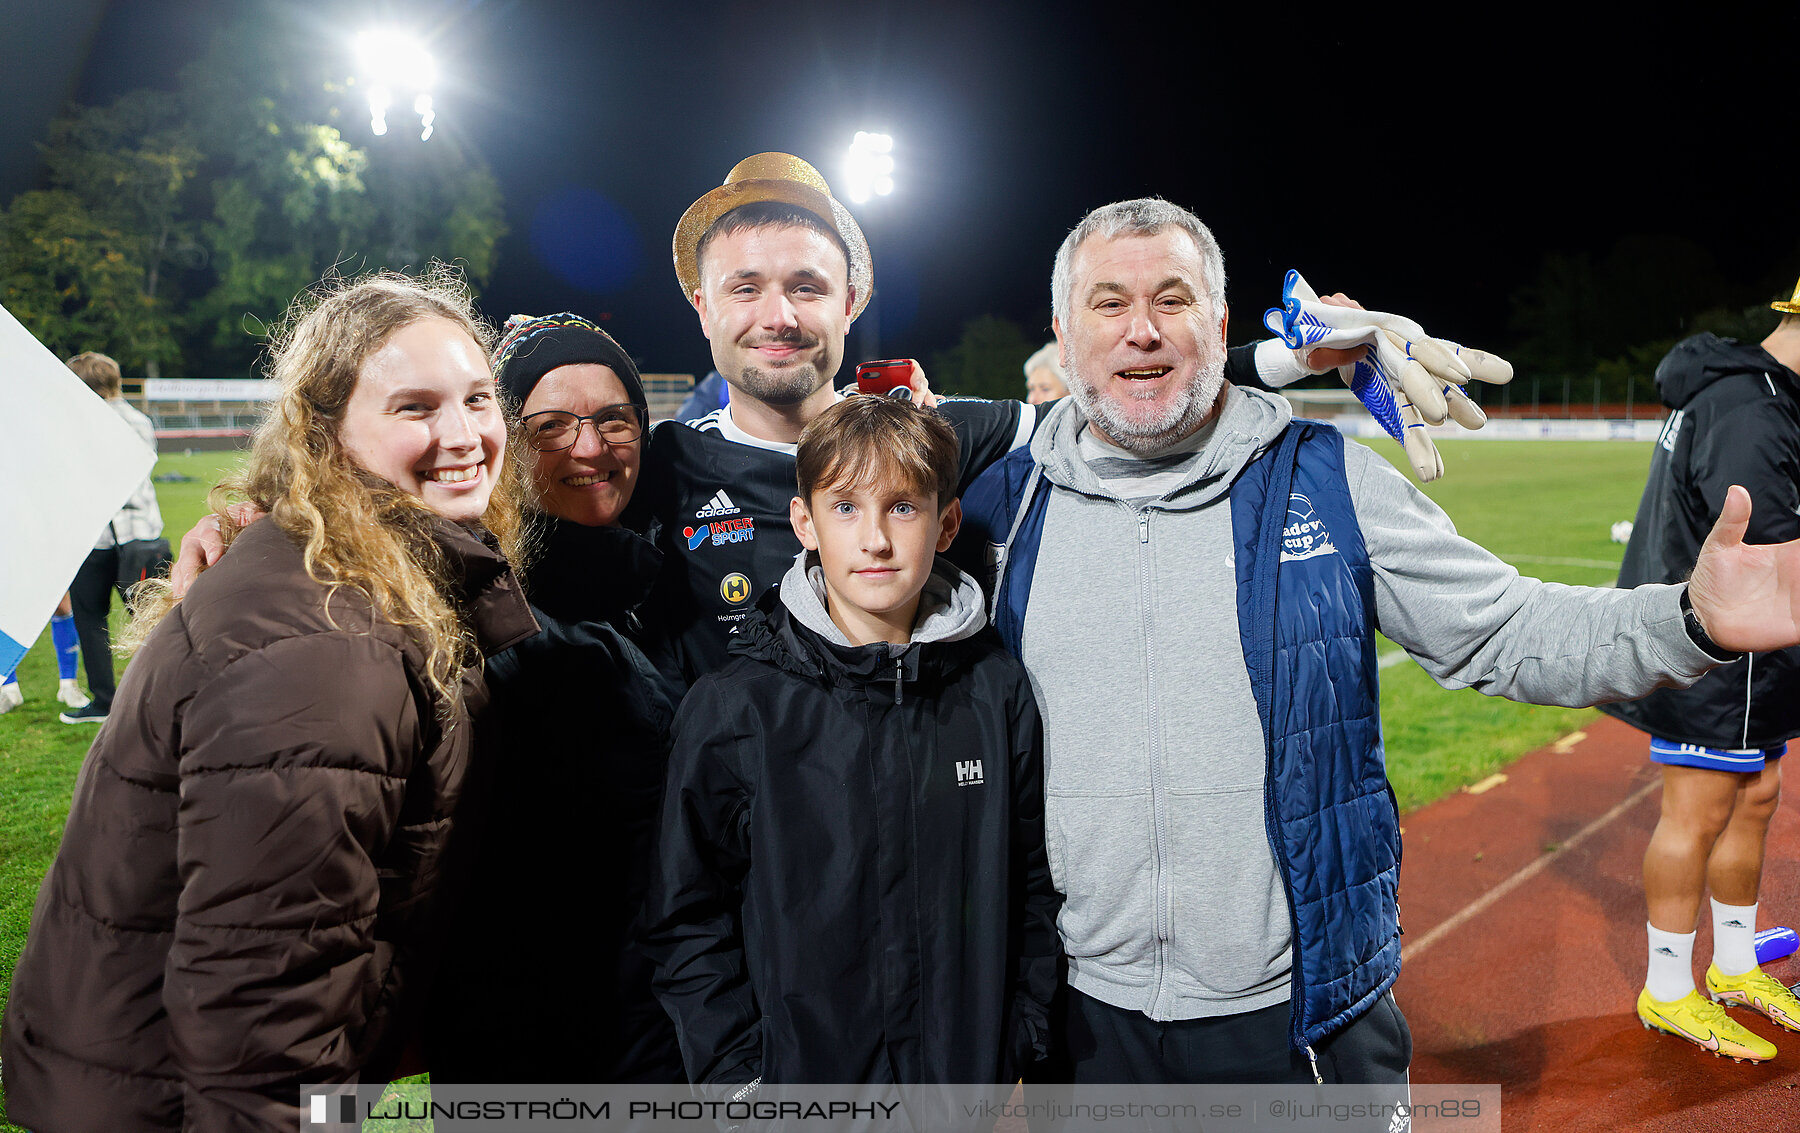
(720, 504)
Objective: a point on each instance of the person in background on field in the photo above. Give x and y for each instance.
(64, 641)
(852, 885)
(1044, 376)
(98, 577)
(243, 899)
(1734, 418)
(571, 751)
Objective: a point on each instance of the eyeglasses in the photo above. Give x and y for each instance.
(556, 429)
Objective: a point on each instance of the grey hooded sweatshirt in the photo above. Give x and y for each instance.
(1154, 756)
(950, 605)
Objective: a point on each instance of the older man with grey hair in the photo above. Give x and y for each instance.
(1194, 579)
(1044, 376)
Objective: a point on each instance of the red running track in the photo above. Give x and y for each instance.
(1524, 951)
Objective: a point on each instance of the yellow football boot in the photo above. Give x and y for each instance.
(1757, 990)
(1704, 1023)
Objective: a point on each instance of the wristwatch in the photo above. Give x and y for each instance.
(1697, 632)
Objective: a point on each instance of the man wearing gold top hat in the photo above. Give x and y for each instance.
(777, 270)
(1734, 419)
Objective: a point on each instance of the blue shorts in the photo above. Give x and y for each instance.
(1744, 761)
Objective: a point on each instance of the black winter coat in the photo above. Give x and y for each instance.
(853, 885)
(546, 977)
(1735, 420)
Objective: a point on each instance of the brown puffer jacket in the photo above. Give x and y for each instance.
(241, 901)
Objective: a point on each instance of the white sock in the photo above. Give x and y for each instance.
(1734, 938)
(1671, 974)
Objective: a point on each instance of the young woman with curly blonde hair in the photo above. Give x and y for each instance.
(242, 899)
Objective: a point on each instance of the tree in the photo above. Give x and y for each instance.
(1552, 317)
(293, 198)
(77, 282)
(986, 361)
(1596, 327)
(283, 210)
(181, 224)
(84, 262)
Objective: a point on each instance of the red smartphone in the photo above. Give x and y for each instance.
(891, 377)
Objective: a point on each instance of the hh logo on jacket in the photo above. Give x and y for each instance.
(1304, 535)
(968, 773)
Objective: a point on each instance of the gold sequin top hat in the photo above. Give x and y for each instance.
(772, 177)
(1789, 307)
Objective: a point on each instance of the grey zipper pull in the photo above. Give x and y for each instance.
(1314, 1059)
(897, 672)
(1144, 526)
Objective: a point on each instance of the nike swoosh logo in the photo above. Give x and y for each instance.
(1756, 1002)
(1711, 1042)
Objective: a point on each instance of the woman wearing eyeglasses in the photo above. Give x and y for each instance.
(545, 979)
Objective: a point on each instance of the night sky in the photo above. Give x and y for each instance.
(1424, 167)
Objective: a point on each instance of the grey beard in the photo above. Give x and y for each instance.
(785, 387)
(1152, 436)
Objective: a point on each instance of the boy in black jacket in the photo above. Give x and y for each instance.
(853, 885)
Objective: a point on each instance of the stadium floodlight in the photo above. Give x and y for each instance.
(869, 168)
(393, 61)
(423, 108)
(380, 98)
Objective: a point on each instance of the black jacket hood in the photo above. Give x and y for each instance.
(1735, 420)
(1698, 362)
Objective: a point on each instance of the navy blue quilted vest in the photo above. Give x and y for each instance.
(1306, 617)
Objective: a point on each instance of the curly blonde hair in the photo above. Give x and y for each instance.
(355, 529)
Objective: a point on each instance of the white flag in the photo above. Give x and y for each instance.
(67, 464)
